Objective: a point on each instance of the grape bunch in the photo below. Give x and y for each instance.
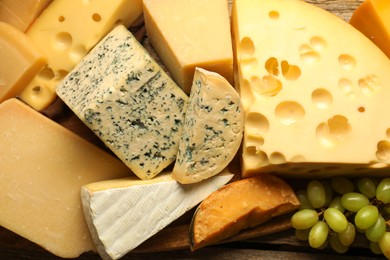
(332, 211)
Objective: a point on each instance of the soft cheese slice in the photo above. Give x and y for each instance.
(123, 213)
(21, 61)
(372, 19)
(66, 31)
(43, 167)
(189, 34)
(21, 13)
(125, 97)
(213, 128)
(314, 89)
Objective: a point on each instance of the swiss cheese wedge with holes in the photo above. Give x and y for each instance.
(315, 91)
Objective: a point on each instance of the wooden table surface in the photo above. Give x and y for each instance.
(274, 240)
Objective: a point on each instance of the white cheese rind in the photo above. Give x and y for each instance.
(213, 128)
(123, 95)
(122, 217)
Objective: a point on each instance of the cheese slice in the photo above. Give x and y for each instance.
(123, 213)
(43, 167)
(21, 61)
(314, 89)
(189, 34)
(372, 19)
(21, 13)
(213, 128)
(125, 97)
(66, 31)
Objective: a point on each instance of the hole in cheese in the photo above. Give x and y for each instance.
(63, 40)
(369, 84)
(277, 158)
(321, 98)
(61, 18)
(289, 112)
(335, 130)
(289, 71)
(46, 74)
(361, 109)
(255, 157)
(383, 150)
(77, 53)
(36, 90)
(273, 15)
(256, 123)
(271, 65)
(247, 48)
(96, 17)
(347, 62)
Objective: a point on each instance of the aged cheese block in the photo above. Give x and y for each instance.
(124, 96)
(372, 19)
(189, 34)
(43, 167)
(123, 213)
(314, 89)
(66, 31)
(21, 13)
(240, 205)
(21, 61)
(213, 128)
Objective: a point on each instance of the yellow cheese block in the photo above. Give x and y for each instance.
(21, 13)
(20, 59)
(314, 89)
(372, 18)
(43, 167)
(188, 34)
(66, 31)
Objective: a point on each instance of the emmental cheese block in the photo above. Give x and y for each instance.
(21, 13)
(372, 19)
(314, 89)
(66, 31)
(21, 61)
(43, 167)
(188, 34)
(213, 128)
(125, 97)
(123, 213)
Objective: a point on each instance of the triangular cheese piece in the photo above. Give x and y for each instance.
(315, 91)
(123, 213)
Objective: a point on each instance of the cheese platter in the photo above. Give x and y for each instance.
(273, 238)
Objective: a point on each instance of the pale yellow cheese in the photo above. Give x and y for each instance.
(20, 59)
(43, 167)
(21, 13)
(189, 34)
(315, 91)
(66, 31)
(372, 18)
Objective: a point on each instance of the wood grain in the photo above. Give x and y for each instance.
(271, 240)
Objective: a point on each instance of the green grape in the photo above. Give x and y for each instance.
(318, 234)
(316, 194)
(366, 217)
(336, 220)
(367, 187)
(302, 234)
(336, 203)
(376, 231)
(347, 237)
(305, 203)
(383, 190)
(375, 249)
(328, 191)
(386, 210)
(342, 185)
(304, 219)
(384, 244)
(336, 245)
(354, 201)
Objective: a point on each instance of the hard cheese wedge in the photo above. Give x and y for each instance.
(239, 205)
(21, 61)
(372, 19)
(314, 89)
(21, 13)
(66, 31)
(189, 34)
(124, 96)
(123, 213)
(43, 167)
(212, 131)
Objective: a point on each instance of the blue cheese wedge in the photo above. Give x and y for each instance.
(123, 213)
(129, 102)
(212, 131)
